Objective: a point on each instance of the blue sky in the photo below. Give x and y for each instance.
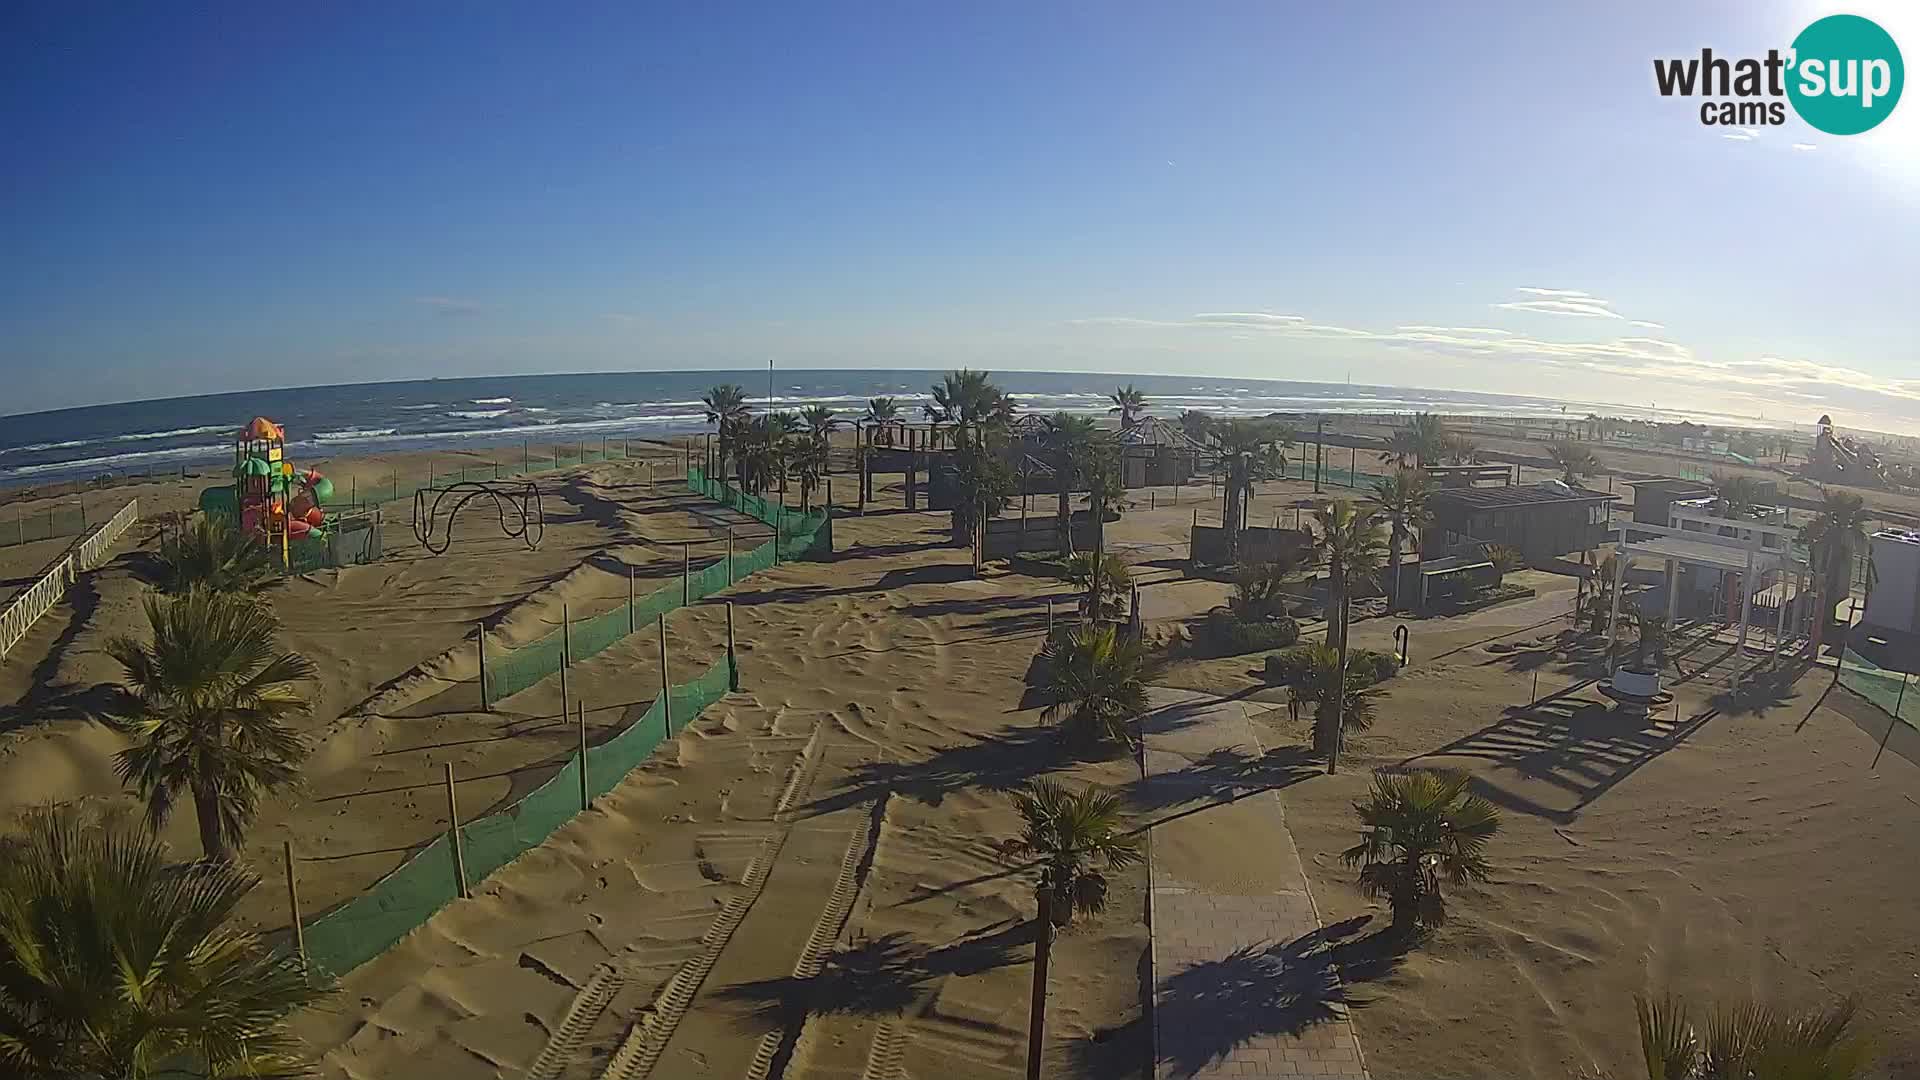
(250, 195)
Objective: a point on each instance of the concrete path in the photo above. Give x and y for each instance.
(1244, 984)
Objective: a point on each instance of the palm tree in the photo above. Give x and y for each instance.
(1075, 839)
(1749, 1042)
(1353, 547)
(1403, 450)
(1461, 450)
(1108, 573)
(1735, 496)
(115, 964)
(1652, 646)
(215, 555)
(1095, 678)
(882, 415)
(1130, 403)
(1573, 461)
(1402, 497)
(1102, 474)
(764, 448)
(1430, 437)
(1418, 828)
(978, 410)
(1071, 438)
(1834, 539)
(1249, 450)
(1198, 425)
(1322, 672)
(726, 407)
(209, 702)
(811, 459)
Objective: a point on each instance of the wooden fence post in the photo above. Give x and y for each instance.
(666, 684)
(630, 612)
(459, 852)
(686, 574)
(733, 658)
(586, 796)
(566, 648)
(729, 556)
(293, 903)
(485, 704)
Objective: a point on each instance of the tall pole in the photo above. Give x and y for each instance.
(729, 556)
(686, 574)
(485, 705)
(293, 904)
(586, 796)
(453, 830)
(566, 647)
(666, 684)
(733, 658)
(630, 615)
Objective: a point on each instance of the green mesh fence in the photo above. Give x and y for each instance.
(1896, 692)
(373, 922)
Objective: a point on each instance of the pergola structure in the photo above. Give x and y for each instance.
(1753, 550)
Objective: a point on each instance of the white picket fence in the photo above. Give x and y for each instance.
(24, 610)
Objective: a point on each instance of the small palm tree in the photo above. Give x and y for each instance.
(208, 703)
(1749, 1042)
(1418, 829)
(1110, 575)
(1260, 588)
(1353, 546)
(979, 411)
(1197, 424)
(214, 555)
(1573, 460)
(1075, 839)
(1735, 496)
(1403, 449)
(1834, 539)
(1095, 678)
(115, 964)
(726, 408)
(1130, 403)
(1247, 450)
(764, 448)
(1072, 439)
(1652, 648)
(882, 415)
(1320, 673)
(1402, 497)
(1430, 438)
(1461, 450)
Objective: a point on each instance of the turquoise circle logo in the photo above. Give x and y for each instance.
(1846, 74)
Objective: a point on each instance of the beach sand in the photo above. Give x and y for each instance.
(807, 882)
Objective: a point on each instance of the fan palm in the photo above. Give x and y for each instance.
(208, 702)
(1749, 1042)
(726, 408)
(978, 410)
(1353, 547)
(1110, 575)
(1735, 496)
(1403, 449)
(882, 415)
(1071, 439)
(1095, 678)
(1249, 450)
(1834, 539)
(115, 964)
(1430, 438)
(1573, 460)
(1130, 403)
(1075, 839)
(1418, 829)
(215, 555)
(1321, 673)
(1197, 424)
(1402, 497)
(764, 447)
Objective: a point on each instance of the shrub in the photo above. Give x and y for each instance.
(1226, 634)
(1506, 558)
(1294, 666)
(1259, 588)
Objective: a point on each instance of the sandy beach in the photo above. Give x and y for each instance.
(806, 882)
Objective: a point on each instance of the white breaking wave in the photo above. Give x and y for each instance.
(412, 408)
(480, 414)
(47, 446)
(493, 401)
(206, 429)
(175, 453)
(350, 434)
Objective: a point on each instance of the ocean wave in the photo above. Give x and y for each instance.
(478, 414)
(416, 408)
(492, 401)
(544, 430)
(351, 434)
(108, 461)
(205, 429)
(68, 445)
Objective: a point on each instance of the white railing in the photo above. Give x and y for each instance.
(24, 610)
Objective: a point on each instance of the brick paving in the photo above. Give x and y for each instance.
(1244, 985)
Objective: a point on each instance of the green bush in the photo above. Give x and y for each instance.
(1383, 665)
(1226, 634)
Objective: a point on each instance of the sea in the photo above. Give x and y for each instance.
(469, 413)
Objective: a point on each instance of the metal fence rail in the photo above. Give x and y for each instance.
(24, 610)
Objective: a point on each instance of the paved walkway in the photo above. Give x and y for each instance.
(1244, 985)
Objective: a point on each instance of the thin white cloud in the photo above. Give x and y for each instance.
(1486, 330)
(448, 305)
(1595, 309)
(1751, 133)
(1739, 135)
(1805, 146)
(1256, 318)
(1645, 325)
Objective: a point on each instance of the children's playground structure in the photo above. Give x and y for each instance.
(283, 507)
